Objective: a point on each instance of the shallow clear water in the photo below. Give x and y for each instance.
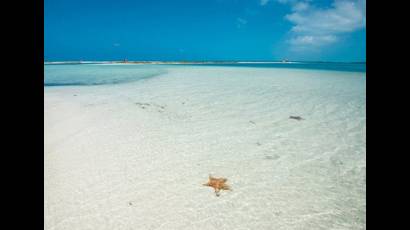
(96, 74)
(224, 120)
(335, 66)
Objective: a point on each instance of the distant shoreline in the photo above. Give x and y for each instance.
(190, 62)
(164, 62)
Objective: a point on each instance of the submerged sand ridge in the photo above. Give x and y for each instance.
(112, 164)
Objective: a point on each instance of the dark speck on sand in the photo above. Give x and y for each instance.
(296, 118)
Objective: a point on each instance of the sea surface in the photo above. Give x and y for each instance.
(97, 74)
(231, 121)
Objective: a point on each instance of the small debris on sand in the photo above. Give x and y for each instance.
(142, 104)
(296, 118)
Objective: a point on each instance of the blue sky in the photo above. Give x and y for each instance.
(307, 30)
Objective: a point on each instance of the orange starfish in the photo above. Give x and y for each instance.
(217, 184)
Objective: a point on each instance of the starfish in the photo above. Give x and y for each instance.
(217, 184)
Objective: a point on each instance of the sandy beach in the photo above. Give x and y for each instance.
(135, 155)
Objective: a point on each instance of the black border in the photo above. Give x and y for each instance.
(24, 115)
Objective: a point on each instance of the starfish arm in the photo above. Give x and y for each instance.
(226, 187)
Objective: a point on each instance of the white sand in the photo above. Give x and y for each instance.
(111, 164)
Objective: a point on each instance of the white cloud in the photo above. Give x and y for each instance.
(240, 22)
(319, 27)
(310, 40)
(288, 1)
(300, 6)
(345, 16)
(264, 2)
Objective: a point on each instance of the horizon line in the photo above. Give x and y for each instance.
(199, 61)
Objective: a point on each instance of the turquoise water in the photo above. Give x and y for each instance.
(98, 74)
(335, 66)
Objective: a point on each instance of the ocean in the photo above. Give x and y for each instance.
(129, 146)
